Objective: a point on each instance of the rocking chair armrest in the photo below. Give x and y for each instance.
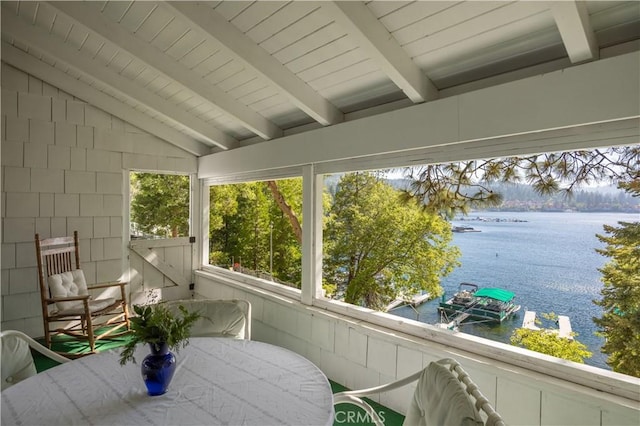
(69, 298)
(107, 285)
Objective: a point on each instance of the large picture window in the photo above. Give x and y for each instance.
(256, 228)
(401, 241)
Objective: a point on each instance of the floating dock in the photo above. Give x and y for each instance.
(416, 300)
(454, 322)
(564, 324)
(564, 327)
(529, 321)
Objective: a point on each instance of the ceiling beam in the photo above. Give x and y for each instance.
(572, 19)
(88, 16)
(215, 27)
(57, 78)
(595, 95)
(39, 39)
(372, 36)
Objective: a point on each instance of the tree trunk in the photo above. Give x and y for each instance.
(286, 209)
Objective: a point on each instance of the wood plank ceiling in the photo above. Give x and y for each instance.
(211, 76)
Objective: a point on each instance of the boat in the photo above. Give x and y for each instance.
(484, 304)
(464, 229)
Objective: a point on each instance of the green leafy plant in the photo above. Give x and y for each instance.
(156, 324)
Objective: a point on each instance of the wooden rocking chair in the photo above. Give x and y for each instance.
(65, 296)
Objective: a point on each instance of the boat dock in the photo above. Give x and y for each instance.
(416, 300)
(396, 303)
(564, 327)
(529, 321)
(564, 324)
(455, 321)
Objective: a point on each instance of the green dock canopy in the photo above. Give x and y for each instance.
(495, 293)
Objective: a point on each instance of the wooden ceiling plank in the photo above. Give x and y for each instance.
(354, 71)
(325, 36)
(215, 26)
(414, 12)
(322, 54)
(256, 13)
(384, 8)
(250, 88)
(444, 19)
(138, 14)
(39, 39)
(59, 79)
(374, 38)
(572, 19)
(296, 31)
(340, 62)
(495, 21)
(85, 13)
(280, 19)
(441, 51)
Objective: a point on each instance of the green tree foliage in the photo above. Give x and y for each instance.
(160, 204)
(377, 248)
(547, 341)
(458, 187)
(550, 343)
(620, 321)
(246, 222)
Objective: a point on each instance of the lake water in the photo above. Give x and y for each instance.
(549, 262)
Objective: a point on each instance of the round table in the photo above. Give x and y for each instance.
(217, 381)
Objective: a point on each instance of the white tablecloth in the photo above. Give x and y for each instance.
(218, 381)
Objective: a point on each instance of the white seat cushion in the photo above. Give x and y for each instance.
(94, 306)
(72, 283)
(17, 362)
(218, 318)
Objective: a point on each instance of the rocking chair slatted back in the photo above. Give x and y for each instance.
(56, 259)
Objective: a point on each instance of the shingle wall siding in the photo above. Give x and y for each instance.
(62, 170)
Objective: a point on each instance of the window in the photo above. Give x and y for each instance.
(378, 248)
(159, 205)
(383, 250)
(255, 228)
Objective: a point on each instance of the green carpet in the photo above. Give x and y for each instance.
(68, 344)
(346, 414)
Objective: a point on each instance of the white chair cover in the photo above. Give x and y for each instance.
(218, 318)
(17, 362)
(440, 399)
(444, 395)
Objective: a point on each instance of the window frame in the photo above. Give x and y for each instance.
(193, 200)
(312, 243)
(205, 184)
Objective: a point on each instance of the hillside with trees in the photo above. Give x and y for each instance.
(523, 197)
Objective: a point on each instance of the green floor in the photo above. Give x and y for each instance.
(68, 344)
(346, 414)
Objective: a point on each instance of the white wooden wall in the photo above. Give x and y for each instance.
(64, 167)
(164, 266)
(358, 354)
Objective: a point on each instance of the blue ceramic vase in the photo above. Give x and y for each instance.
(158, 368)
